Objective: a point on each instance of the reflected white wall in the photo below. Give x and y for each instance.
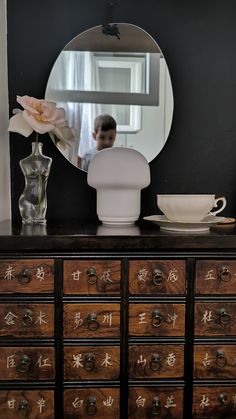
(5, 199)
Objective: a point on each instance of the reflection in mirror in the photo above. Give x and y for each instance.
(127, 78)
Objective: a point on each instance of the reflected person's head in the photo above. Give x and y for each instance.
(104, 131)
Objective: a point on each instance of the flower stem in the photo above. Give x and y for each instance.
(39, 176)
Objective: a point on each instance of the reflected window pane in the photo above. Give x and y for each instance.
(114, 79)
(121, 113)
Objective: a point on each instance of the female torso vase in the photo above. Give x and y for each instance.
(33, 201)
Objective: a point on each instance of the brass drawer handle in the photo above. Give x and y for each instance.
(158, 277)
(224, 273)
(27, 319)
(91, 408)
(221, 359)
(24, 408)
(155, 407)
(222, 397)
(92, 276)
(24, 277)
(156, 318)
(24, 363)
(224, 316)
(92, 321)
(155, 363)
(89, 362)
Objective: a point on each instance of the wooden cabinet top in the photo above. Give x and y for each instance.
(87, 237)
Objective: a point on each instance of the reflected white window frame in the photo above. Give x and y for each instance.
(137, 80)
(135, 68)
(134, 123)
(150, 98)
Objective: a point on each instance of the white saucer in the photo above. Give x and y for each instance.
(169, 225)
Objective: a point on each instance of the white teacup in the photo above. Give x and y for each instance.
(189, 208)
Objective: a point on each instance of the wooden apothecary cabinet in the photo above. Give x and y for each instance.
(119, 327)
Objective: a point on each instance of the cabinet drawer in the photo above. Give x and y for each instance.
(97, 402)
(91, 320)
(214, 402)
(29, 404)
(157, 277)
(215, 319)
(91, 362)
(215, 276)
(24, 363)
(156, 361)
(157, 319)
(27, 276)
(149, 402)
(27, 320)
(215, 361)
(91, 276)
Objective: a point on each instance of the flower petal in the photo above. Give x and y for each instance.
(53, 114)
(18, 124)
(29, 103)
(40, 127)
(16, 110)
(66, 134)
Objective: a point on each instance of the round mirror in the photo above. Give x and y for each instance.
(115, 69)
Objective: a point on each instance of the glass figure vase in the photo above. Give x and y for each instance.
(33, 201)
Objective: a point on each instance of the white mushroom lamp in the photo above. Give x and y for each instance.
(118, 174)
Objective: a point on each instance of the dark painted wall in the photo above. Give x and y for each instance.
(198, 41)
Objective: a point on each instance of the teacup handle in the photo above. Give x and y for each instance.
(223, 200)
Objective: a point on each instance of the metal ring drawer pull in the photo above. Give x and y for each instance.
(222, 397)
(24, 277)
(23, 409)
(158, 277)
(27, 317)
(92, 276)
(24, 363)
(91, 408)
(224, 316)
(156, 318)
(155, 363)
(89, 362)
(224, 273)
(92, 321)
(155, 408)
(221, 360)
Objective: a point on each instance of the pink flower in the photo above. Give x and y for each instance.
(41, 116)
